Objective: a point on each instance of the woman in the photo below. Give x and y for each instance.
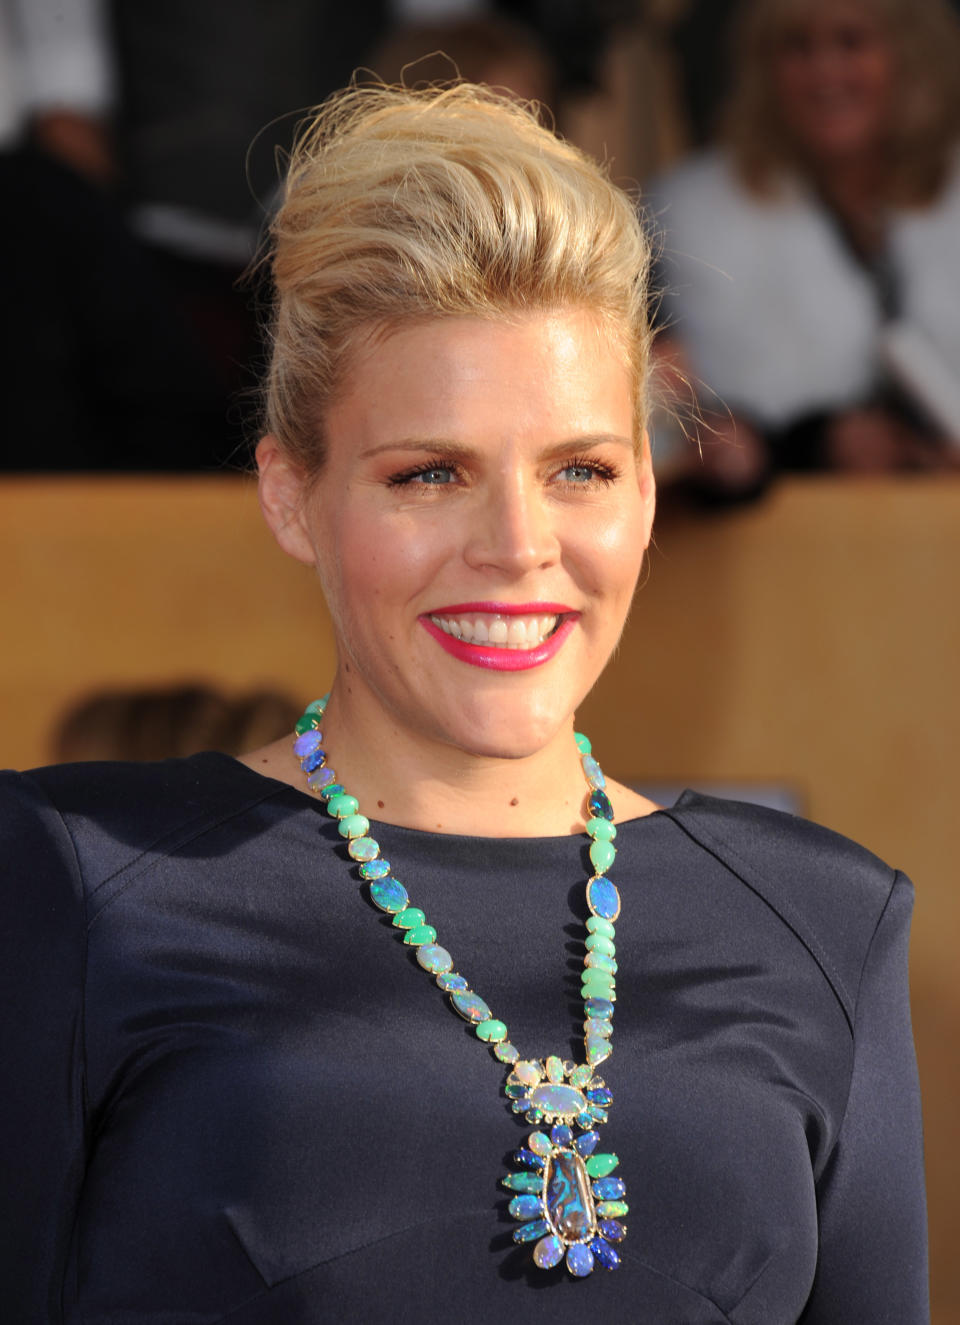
(238, 1094)
(811, 262)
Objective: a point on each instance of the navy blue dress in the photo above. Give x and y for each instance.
(230, 1095)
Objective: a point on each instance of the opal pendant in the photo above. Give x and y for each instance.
(566, 1202)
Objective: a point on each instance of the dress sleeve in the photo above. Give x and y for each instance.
(872, 1264)
(41, 986)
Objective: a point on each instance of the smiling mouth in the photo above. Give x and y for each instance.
(499, 631)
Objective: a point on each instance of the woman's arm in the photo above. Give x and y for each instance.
(41, 1037)
(872, 1265)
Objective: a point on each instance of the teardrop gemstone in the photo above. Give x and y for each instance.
(523, 1182)
(587, 1143)
(548, 1252)
(605, 1255)
(570, 1207)
(470, 1006)
(598, 1166)
(558, 1101)
(603, 898)
(579, 1260)
(600, 805)
(525, 1207)
(389, 895)
(531, 1232)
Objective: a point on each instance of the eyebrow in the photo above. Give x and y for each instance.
(463, 451)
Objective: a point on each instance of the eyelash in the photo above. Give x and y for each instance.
(601, 471)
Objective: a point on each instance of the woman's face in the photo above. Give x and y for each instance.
(833, 74)
(479, 526)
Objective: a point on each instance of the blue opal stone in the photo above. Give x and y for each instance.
(517, 1092)
(306, 743)
(612, 1230)
(531, 1232)
(599, 803)
(586, 1144)
(450, 982)
(389, 894)
(528, 1158)
(527, 1206)
(470, 1006)
(609, 1189)
(585, 1119)
(606, 1255)
(374, 869)
(600, 1096)
(331, 789)
(603, 898)
(598, 1007)
(321, 777)
(311, 761)
(433, 958)
(599, 1115)
(561, 1135)
(523, 1182)
(593, 774)
(562, 1101)
(548, 1252)
(569, 1202)
(579, 1260)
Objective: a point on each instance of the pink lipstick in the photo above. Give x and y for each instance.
(491, 655)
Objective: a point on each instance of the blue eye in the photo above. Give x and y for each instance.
(579, 473)
(436, 475)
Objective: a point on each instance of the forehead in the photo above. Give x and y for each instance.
(477, 379)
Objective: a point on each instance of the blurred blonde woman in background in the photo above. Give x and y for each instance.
(812, 262)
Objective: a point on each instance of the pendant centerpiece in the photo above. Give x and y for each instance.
(557, 1091)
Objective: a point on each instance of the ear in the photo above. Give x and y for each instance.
(282, 489)
(648, 488)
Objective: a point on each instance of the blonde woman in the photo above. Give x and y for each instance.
(812, 261)
(413, 1012)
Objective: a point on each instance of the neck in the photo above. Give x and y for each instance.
(403, 778)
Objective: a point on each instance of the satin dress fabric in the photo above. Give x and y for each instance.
(231, 1095)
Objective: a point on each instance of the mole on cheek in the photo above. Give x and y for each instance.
(515, 801)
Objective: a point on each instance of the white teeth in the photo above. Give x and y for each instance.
(514, 632)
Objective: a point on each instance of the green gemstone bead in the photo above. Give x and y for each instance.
(599, 961)
(597, 984)
(318, 705)
(598, 1166)
(612, 1209)
(353, 825)
(363, 848)
(420, 935)
(492, 1031)
(601, 830)
(597, 925)
(583, 743)
(600, 943)
(308, 723)
(602, 855)
(409, 918)
(339, 806)
(608, 992)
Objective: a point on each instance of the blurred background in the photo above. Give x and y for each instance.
(796, 638)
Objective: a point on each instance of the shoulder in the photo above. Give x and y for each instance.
(97, 817)
(829, 890)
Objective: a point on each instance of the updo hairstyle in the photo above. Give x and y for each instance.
(408, 204)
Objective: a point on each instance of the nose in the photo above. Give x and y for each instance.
(512, 529)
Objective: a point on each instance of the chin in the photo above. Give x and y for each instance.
(510, 731)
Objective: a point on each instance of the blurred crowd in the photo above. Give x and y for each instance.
(797, 162)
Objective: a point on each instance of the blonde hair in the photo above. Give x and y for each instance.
(405, 204)
(924, 36)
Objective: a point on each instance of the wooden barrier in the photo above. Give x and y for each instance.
(812, 641)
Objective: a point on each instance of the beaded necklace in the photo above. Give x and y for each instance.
(565, 1201)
